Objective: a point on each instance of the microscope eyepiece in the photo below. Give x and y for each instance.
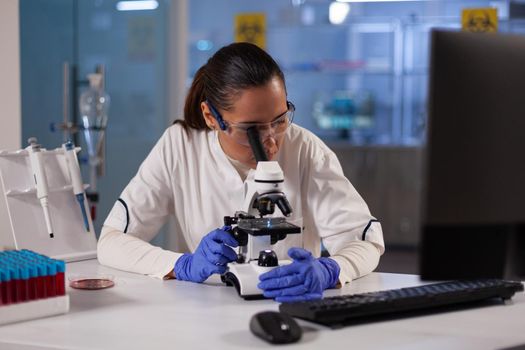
(256, 145)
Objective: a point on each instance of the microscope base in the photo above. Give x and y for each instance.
(245, 277)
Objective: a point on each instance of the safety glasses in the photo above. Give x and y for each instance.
(238, 131)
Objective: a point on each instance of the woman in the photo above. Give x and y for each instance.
(198, 170)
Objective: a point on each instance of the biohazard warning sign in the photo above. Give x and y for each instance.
(480, 20)
(251, 28)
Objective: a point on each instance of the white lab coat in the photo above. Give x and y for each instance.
(188, 175)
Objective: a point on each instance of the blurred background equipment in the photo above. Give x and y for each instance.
(350, 114)
(94, 105)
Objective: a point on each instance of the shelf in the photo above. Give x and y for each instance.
(381, 67)
(32, 191)
(342, 71)
(24, 152)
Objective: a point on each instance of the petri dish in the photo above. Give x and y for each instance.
(91, 282)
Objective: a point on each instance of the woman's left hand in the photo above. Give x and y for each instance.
(304, 279)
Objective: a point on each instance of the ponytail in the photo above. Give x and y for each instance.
(192, 106)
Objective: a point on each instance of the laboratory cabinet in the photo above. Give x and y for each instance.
(390, 179)
(345, 80)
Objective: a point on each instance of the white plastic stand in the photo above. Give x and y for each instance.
(30, 310)
(22, 224)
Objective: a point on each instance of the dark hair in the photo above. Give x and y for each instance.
(230, 70)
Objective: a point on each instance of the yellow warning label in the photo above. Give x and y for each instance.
(480, 20)
(251, 28)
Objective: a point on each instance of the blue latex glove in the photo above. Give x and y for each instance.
(211, 257)
(304, 279)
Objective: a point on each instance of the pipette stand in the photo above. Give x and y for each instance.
(22, 224)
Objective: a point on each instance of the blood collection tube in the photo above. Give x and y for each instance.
(10, 282)
(32, 283)
(2, 284)
(11, 285)
(51, 284)
(3, 280)
(15, 277)
(26, 275)
(40, 276)
(6, 287)
(41, 281)
(23, 283)
(60, 278)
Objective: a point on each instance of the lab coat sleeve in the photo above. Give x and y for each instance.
(356, 259)
(147, 201)
(352, 236)
(129, 253)
(143, 207)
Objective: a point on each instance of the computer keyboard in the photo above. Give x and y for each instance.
(350, 309)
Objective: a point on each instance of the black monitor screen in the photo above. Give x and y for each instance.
(474, 207)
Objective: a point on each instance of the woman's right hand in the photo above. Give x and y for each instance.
(212, 256)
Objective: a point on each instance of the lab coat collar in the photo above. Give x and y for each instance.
(223, 166)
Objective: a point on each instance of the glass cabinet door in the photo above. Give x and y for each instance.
(345, 80)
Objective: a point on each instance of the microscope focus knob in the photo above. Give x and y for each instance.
(268, 258)
(240, 236)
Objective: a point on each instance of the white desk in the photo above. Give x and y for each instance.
(144, 313)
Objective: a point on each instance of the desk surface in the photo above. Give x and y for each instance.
(145, 313)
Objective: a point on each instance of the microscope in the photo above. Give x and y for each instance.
(254, 230)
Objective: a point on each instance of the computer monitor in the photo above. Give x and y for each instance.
(474, 187)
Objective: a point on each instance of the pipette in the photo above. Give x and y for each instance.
(39, 175)
(76, 178)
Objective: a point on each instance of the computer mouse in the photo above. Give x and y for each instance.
(275, 327)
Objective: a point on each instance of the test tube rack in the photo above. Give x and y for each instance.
(22, 223)
(31, 286)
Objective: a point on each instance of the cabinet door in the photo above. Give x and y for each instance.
(389, 180)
